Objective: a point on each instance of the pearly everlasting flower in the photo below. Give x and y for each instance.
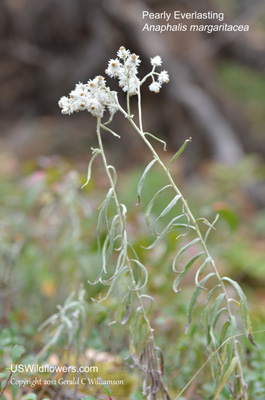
(65, 104)
(133, 61)
(123, 53)
(155, 87)
(130, 84)
(156, 61)
(163, 77)
(113, 68)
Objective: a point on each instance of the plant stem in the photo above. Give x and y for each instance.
(6, 384)
(192, 218)
(139, 298)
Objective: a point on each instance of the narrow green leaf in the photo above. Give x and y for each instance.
(169, 206)
(215, 307)
(224, 330)
(163, 233)
(104, 254)
(88, 398)
(243, 308)
(133, 331)
(184, 272)
(17, 352)
(141, 182)
(217, 315)
(128, 306)
(188, 227)
(231, 331)
(184, 248)
(111, 235)
(103, 215)
(106, 390)
(151, 300)
(156, 138)
(151, 203)
(114, 178)
(178, 153)
(211, 226)
(110, 131)
(188, 265)
(120, 310)
(110, 282)
(96, 152)
(145, 274)
(201, 269)
(226, 376)
(194, 298)
(123, 214)
(211, 292)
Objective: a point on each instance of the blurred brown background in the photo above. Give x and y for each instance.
(48, 46)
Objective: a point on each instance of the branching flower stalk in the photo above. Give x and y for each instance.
(96, 97)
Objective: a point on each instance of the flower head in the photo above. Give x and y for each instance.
(113, 68)
(156, 61)
(155, 87)
(163, 77)
(123, 53)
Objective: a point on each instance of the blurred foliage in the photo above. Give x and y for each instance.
(247, 86)
(49, 249)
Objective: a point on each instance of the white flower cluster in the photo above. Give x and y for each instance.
(95, 96)
(162, 77)
(125, 68)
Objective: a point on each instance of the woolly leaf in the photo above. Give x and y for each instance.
(200, 270)
(169, 206)
(217, 315)
(127, 309)
(215, 307)
(156, 138)
(164, 232)
(226, 376)
(110, 282)
(114, 178)
(194, 298)
(187, 226)
(178, 153)
(103, 215)
(211, 226)
(188, 265)
(141, 182)
(151, 203)
(184, 248)
(145, 273)
(96, 153)
(243, 308)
